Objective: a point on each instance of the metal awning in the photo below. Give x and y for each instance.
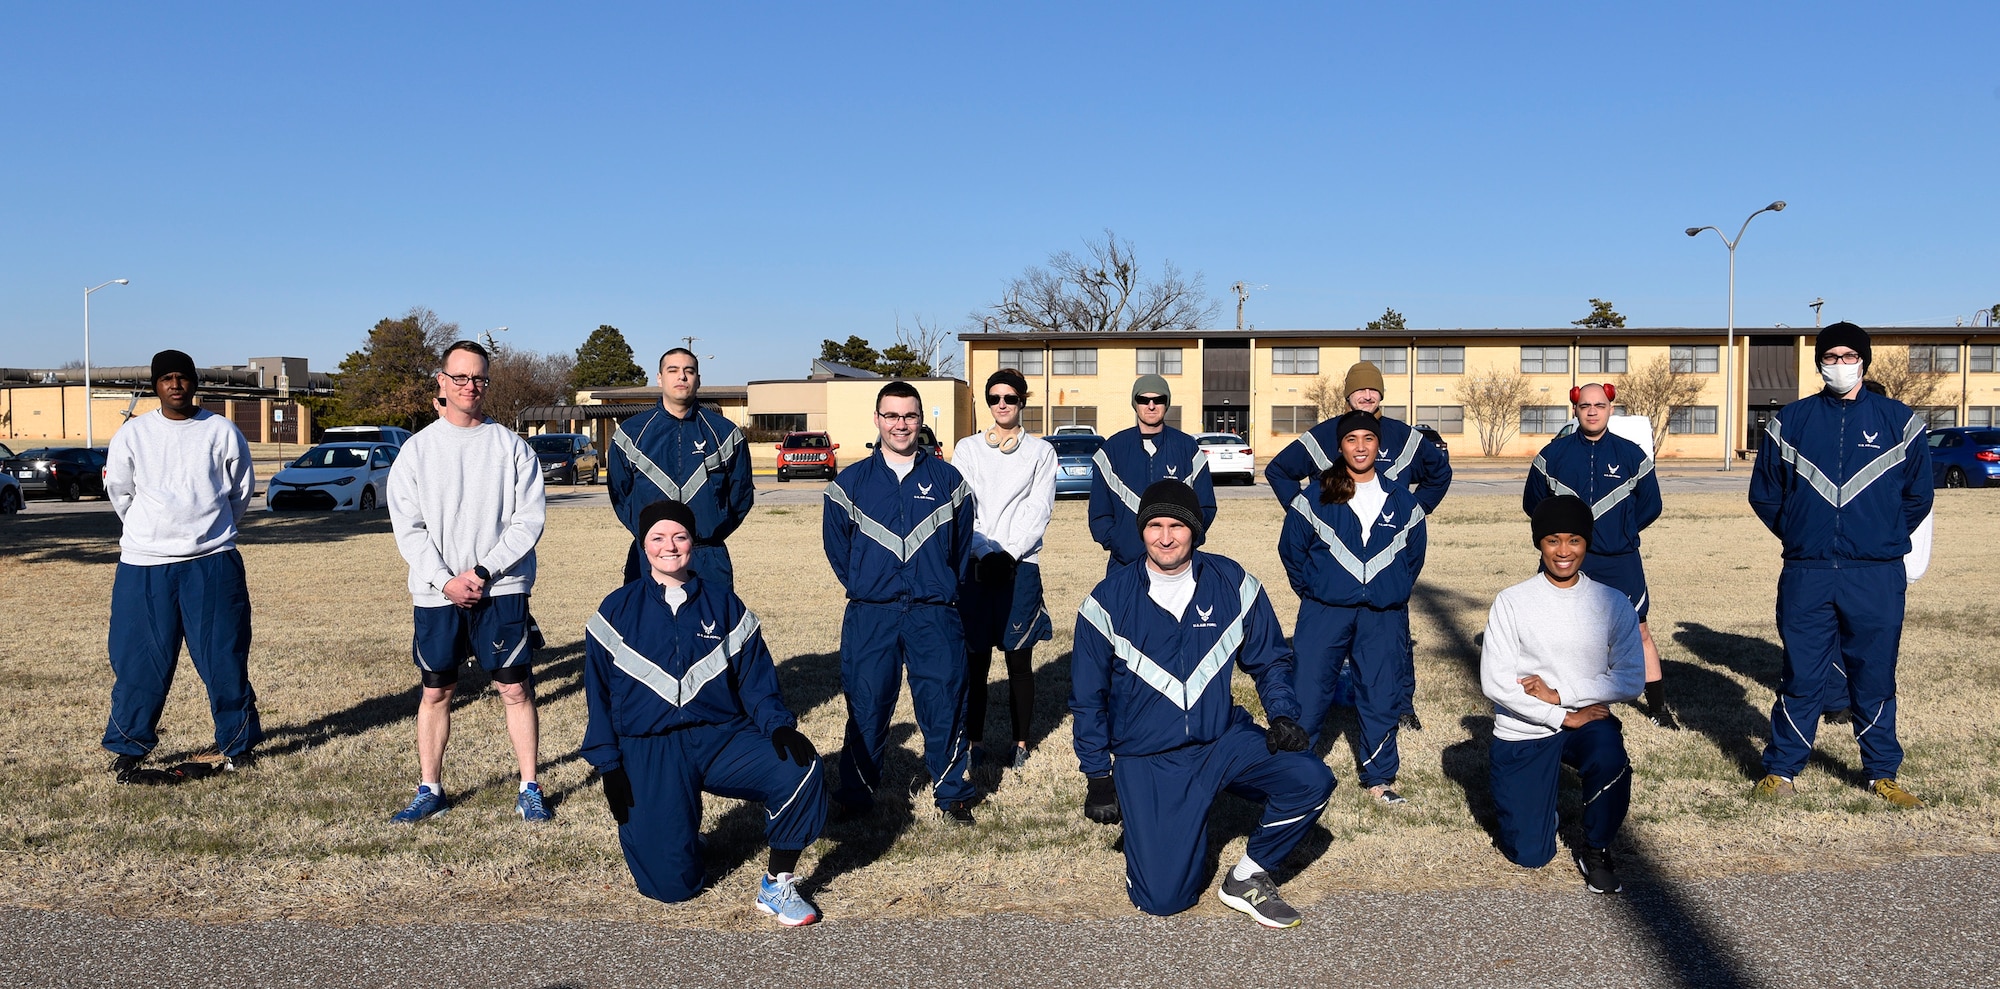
(563, 413)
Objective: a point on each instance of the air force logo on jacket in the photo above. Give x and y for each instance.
(891, 540)
(700, 461)
(1327, 561)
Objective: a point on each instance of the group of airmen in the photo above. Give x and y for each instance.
(939, 562)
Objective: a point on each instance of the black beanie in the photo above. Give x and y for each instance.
(1843, 334)
(665, 510)
(169, 361)
(1354, 420)
(1172, 499)
(1562, 513)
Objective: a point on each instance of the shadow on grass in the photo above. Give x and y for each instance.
(92, 537)
(1051, 706)
(861, 842)
(1720, 708)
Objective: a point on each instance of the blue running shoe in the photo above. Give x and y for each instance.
(530, 805)
(780, 898)
(427, 803)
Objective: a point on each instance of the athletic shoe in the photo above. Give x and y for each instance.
(1412, 722)
(1892, 791)
(1020, 758)
(1663, 716)
(131, 770)
(530, 805)
(427, 803)
(1840, 717)
(1772, 787)
(1258, 897)
(1386, 795)
(217, 762)
(958, 812)
(780, 898)
(1600, 874)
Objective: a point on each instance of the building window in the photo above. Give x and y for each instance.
(1600, 360)
(1074, 361)
(1983, 416)
(1982, 357)
(1544, 360)
(1693, 359)
(1159, 360)
(1293, 419)
(1934, 358)
(1443, 418)
(1697, 419)
(1938, 416)
(1388, 360)
(1028, 362)
(1031, 419)
(1295, 360)
(1392, 412)
(1440, 360)
(778, 423)
(1541, 419)
(1073, 415)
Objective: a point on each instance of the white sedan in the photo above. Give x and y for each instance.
(333, 476)
(1229, 457)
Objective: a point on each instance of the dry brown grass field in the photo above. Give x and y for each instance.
(304, 833)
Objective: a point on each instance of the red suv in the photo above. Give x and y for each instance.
(807, 453)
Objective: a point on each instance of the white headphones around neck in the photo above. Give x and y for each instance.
(1005, 444)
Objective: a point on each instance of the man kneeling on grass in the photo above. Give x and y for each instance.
(683, 698)
(1156, 643)
(1561, 648)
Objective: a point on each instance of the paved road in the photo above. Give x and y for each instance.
(1926, 923)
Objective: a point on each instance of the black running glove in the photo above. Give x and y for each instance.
(1100, 801)
(996, 569)
(788, 742)
(1285, 735)
(618, 794)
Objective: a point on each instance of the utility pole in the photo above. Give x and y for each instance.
(1243, 290)
(688, 342)
(1815, 304)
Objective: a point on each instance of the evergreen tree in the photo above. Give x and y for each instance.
(605, 361)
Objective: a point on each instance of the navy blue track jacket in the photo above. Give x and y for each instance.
(902, 541)
(702, 461)
(1843, 481)
(1612, 475)
(1125, 471)
(1405, 457)
(649, 671)
(1321, 547)
(1144, 682)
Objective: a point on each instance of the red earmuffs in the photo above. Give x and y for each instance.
(1610, 394)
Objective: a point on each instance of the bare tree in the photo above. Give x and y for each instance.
(1913, 383)
(523, 379)
(1493, 399)
(1324, 394)
(932, 344)
(1655, 391)
(1101, 291)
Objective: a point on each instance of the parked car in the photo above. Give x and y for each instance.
(567, 458)
(66, 472)
(1074, 431)
(10, 495)
(1432, 436)
(1229, 457)
(807, 453)
(1074, 468)
(926, 439)
(394, 435)
(1965, 457)
(6, 453)
(333, 477)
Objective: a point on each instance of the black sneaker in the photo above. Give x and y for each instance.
(125, 767)
(1599, 872)
(1840, 717)
(1663, 716)
(1413, 723)
(958, 812)
(1258, 897)
(1020, 758)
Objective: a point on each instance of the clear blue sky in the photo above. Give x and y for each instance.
(274, 178)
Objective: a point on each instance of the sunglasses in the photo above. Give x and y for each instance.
(1003, 400)
(1150, 400)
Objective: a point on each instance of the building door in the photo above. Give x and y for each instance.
(1222, 419)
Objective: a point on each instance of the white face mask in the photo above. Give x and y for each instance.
(1841, 378)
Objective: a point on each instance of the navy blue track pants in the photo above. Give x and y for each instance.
(1377, 640)
(669, 773)
(205, 603)
(1166, 798)
(1525, 777)
(877, 642)
(1829, 620)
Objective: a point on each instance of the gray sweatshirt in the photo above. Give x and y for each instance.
(1583, 641)
(180, 486)
(462, 497)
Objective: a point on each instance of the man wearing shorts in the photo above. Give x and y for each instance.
(467, 503)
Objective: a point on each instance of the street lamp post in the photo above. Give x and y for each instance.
(1729, 358)
(89, 434)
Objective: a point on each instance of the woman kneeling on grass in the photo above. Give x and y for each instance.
(1353, 554)
(1561, 648)
(683, 698)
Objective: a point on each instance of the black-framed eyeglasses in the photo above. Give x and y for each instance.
(1150, 400)
(1003, 399)
(462, 380)
(911, 417)
(1831, 359)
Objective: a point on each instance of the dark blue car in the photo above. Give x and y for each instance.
(1074, 470)
(1965, 457)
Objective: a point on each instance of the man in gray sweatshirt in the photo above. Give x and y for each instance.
(466, 500)
(1561, 648)
(179, 479)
